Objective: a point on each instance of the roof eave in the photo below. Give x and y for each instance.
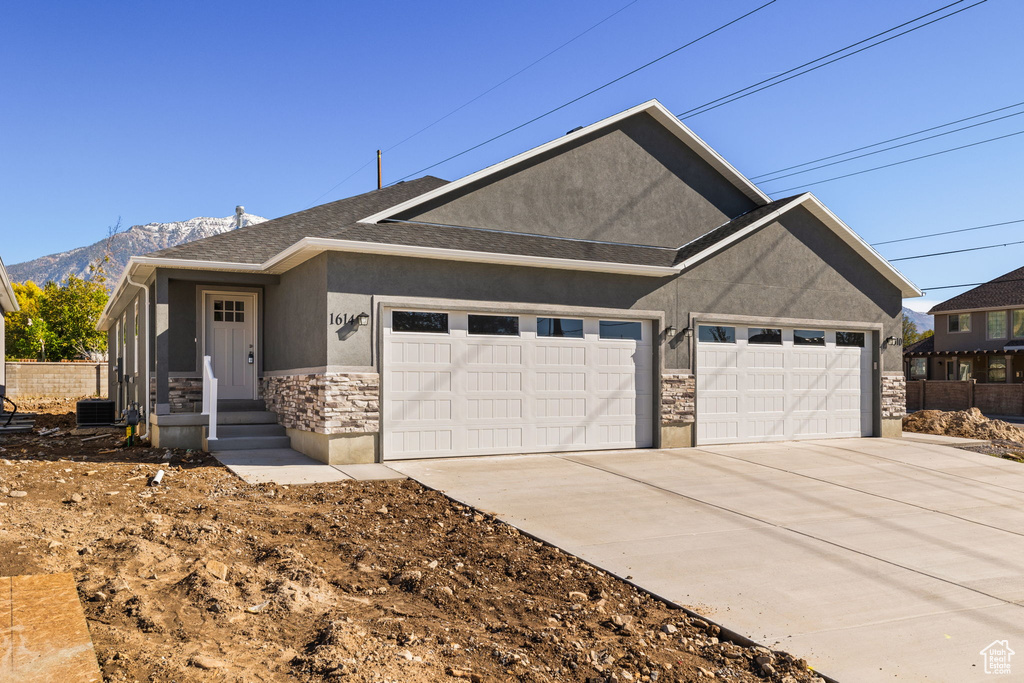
(8, 299)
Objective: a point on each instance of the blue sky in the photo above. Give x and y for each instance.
(166, 111)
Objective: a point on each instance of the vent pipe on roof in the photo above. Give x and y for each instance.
(380, 177)
(239, 220)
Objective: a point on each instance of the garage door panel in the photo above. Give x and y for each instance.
(505, 394)
(760, 392)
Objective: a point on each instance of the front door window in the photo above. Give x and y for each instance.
(965, 369)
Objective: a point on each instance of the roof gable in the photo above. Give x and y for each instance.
(639, 176)
(1004, 291)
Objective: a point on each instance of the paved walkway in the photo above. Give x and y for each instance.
(285, 466)
(875, 559)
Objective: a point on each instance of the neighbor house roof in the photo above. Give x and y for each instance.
(8, 301)
(1005, 290)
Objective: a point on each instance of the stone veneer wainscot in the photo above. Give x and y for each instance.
(677, 398)
(330, 403)
(894, 396)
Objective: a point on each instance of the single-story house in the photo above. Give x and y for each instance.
(8, 304)
(622, 286)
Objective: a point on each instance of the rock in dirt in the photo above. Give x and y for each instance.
(18, 494)
(217, 569)
(76, 498)
(207, 663)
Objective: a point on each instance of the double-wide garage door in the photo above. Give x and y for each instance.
(778, 384)
(467, 383)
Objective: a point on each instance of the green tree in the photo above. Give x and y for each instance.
(26, 331)
(71, 311)
(910, 333)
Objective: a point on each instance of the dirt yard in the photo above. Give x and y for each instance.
(206, 578)
(1007, 439)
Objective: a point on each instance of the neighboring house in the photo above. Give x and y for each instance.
(621, 286)
(979, 335)
(8, 304)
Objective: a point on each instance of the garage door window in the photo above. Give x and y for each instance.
(764, 335)
(416, 321)
(560, 327)
(621, 329)
(716, 334)
(809, 337)
(502, 325)
(850, 339)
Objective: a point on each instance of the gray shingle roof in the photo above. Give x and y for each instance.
(340, 220)
(257, 243)
(1005, 290)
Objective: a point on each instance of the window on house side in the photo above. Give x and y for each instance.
(997, 369)
(1018, 324)
(960, 322)
(918, 368)
(996, 321)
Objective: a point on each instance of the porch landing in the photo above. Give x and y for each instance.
(288, 467)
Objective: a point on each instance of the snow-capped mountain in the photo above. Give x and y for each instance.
(135, 241)
(924, 322)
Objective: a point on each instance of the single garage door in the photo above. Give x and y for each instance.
(780, 384)
(461, 383)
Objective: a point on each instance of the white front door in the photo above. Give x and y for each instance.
(460, 383)
(779, 384)
(231, 342)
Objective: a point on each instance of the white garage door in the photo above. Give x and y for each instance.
(458, 383)
(778, 384)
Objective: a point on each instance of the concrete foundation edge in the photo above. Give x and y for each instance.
(335, 449)
(892, 428)
(677, 436)
(176, 436)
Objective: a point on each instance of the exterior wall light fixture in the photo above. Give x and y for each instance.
(671, 331)
(893, 341)
(363, 319)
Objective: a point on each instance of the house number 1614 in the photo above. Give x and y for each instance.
(342, 319)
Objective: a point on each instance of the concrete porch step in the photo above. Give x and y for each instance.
(235, 443)
(239, 405)
(229, 431)
(246, 417)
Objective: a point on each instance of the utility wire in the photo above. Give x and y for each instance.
(954, 251)
(883, 142)
(485, 92)
(947, 232)
(590, 92)
(727, 99)
(886, 149)
(905, 161)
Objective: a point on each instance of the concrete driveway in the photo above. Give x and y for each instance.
(874, 559)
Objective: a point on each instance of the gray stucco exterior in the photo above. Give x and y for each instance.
(634, 182)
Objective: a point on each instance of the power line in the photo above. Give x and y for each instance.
(905, 161)
(883, 142)
(484, 93)
(947, 232)
(954, 251)
(591, 92)
(887, 149)
(704, 108)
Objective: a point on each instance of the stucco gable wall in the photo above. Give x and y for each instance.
(634, 182)
(795, 268)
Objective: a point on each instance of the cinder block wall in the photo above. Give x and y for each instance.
(56, 380)
(999, 399)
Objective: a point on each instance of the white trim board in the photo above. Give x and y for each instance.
(653, 107)
(8, 301)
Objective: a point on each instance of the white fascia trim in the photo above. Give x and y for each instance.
(979, 309)
(756, 225)
(652, 107)
(318, 244)
(8, 300)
